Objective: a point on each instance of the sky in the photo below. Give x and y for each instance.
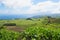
(29, 6)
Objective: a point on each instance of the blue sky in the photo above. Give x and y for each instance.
(37, 1)
(29, 6)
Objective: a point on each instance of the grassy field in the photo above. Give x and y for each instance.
(30, 29)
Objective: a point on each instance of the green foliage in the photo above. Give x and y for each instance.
(8, 35)
(36, 29)
(40, 33)
(28, 19)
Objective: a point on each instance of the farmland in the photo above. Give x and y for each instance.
(30, 29)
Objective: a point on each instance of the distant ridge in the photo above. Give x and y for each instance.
(52, 15)
(8, 17)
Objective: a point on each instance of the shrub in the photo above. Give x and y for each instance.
(28, 19)
(40, 33)
(9, 24)
(8, 35)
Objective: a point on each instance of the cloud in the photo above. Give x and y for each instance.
(47, 6)
(3, 11)
(17, 3)
(15, 6)
(27, 7)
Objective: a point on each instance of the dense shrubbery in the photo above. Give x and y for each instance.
(40, 33)
(8, 35)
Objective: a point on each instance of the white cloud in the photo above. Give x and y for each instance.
(3, 11)
(17, 3)
(17, 6)
(47, 6)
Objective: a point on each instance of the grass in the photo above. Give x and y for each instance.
(33, 28)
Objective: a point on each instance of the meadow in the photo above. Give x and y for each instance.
(30, 29)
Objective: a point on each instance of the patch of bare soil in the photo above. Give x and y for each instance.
(15, 28)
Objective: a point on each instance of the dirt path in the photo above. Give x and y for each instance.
(15, 28)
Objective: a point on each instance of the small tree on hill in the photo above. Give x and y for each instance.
(28, 19)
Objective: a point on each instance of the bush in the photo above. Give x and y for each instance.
(9, 24)
(40, 33)
(8, 35)
(28, 19)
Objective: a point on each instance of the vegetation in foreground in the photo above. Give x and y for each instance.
(32, 29)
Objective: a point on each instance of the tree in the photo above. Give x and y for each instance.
(28, 19)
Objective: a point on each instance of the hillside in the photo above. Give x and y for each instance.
(31, 29)
(52, 15)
